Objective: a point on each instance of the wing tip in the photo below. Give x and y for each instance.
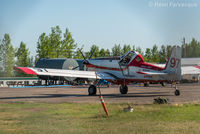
(25, 70)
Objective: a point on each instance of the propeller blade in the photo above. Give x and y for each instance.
(75, 68)
(82, 54)
(92, 53)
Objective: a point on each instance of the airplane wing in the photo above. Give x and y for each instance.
(65, 73)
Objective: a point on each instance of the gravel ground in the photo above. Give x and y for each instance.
(137, 94)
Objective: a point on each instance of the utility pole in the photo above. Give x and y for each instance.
(183, 47)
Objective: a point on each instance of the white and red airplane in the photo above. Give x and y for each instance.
(129, 68)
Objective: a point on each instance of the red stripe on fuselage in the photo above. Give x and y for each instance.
(106, 68)
(141, 73)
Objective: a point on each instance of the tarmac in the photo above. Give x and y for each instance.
(137, 94)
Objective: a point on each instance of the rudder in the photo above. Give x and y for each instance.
(173, 65)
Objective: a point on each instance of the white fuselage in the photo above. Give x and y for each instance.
(129, 72)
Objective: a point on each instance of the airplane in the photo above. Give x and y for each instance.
(129, 68)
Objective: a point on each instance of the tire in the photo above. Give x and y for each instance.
(123, 89)
(92, 90)
(163, 84)
(146, 84)
(177, 92)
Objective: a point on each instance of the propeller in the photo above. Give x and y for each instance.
(85, 60)
(92, 53)
(82, 54)
(75, 68)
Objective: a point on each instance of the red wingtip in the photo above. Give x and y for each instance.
(25, 70)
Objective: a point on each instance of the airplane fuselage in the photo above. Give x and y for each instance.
(132, 71)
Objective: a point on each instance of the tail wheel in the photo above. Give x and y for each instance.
(92, 90)
(177, 92)
(123, 89)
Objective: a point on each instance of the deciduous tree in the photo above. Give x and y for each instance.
(54, 45)
(116, 50)
(126, 48)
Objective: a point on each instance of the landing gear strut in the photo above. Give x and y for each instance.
(123, 89)
(92, 90)
(176, 92)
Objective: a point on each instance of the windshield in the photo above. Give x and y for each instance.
(127, 58)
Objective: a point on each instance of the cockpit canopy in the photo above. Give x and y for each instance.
(127, 58)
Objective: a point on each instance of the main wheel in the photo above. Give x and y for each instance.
(146, 84)
(123, 89)
(177, 92)
(163, 84)
(92, 90)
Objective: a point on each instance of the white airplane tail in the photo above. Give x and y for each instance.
(173, 65)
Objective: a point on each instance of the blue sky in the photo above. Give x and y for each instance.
(102, 22)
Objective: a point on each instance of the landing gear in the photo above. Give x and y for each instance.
(92, 90)
(177, 92)
(146, 84)
(163, 84)
(123, 89)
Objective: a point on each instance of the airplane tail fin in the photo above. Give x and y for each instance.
(173, 65)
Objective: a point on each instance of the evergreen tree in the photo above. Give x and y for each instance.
(23, 59)
(7, 54)
(22, 54)
(163, 54)
(1, 59)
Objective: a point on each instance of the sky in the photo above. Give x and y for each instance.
(102, 22)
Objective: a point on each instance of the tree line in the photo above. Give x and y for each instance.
(10, 57)
(62, 45)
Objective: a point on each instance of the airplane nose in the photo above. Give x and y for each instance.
(85, 62)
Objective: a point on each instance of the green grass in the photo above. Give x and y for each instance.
(36, 118)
